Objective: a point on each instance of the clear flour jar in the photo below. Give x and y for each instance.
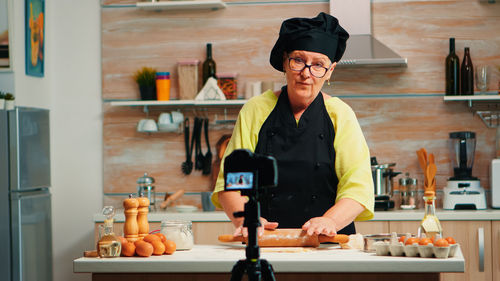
(180, 232)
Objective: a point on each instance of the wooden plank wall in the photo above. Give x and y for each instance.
(243, 34)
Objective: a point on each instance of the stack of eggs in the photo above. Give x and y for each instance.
(414, 247)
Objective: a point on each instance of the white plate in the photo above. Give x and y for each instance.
(186, 208)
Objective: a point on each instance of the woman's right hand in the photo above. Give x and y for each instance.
(264, 225)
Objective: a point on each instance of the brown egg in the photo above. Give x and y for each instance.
(402, 239)
(144, 249)
(151, 237)
(122, 240)
(158, 248)
(411, 241)
(450, 240)
(162, 236)
(441, 243)
(425, 241)
(169, 247)
(138, 241)
(128, 249)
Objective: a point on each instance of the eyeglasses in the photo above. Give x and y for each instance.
(317, 70)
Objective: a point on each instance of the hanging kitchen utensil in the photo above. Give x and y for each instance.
(199, 157)
(187, 166)
(207, 159)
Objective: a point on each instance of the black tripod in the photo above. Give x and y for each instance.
(255, 268)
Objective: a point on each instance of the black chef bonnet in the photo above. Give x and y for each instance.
(322, 34)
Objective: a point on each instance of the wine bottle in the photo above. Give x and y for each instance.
(467, 75)
(208, 65)
(451, 67)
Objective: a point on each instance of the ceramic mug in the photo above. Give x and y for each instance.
(206, 202)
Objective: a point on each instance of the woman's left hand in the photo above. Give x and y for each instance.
(320, 225)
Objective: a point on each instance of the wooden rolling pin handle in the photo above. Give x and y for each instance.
(339, 238)
(171, 198)
(231, 238)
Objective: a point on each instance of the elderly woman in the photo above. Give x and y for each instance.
(324, 173)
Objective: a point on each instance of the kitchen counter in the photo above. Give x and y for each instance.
(396, 215)
(327, 259)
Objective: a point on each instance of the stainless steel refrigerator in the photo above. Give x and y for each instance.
(25, 200)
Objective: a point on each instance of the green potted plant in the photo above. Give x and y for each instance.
(145, 78)
(9, 101)
(2, 100)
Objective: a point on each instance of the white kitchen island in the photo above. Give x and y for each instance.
(215, 262)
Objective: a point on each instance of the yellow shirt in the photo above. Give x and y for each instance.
(352, 159)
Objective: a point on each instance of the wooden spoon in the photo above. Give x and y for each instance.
(430, 176)
(422, 160)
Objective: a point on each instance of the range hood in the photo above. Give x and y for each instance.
(362, 48)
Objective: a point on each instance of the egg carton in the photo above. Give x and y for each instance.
(384, 248)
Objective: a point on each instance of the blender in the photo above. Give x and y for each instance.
(463, 191)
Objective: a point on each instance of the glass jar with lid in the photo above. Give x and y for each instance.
(181, 232)
(409, 189)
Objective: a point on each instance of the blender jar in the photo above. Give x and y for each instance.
(462, 148)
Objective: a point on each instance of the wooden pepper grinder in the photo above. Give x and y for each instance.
(131, 228)
(142, 217)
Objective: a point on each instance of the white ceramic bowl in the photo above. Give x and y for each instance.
(165, 118)
(186, 208)
(177, 117)
(147, 125)
(173, 127)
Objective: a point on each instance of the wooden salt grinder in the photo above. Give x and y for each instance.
(131, 228)
(142, 217)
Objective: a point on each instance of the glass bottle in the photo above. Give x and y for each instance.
(430, 224)
(467, 75)
(209, 66)
(451, 67)
(108, 246)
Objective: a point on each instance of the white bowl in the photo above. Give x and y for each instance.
(165, 118)
(177, 117)
(174, 127)
(147, 125)
(186, 208)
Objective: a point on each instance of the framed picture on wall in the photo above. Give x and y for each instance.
(34, 11)
(5, 62)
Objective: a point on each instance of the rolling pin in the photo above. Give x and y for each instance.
(288, 237)
(171, 198)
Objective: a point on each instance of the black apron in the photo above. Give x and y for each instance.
(307, 182)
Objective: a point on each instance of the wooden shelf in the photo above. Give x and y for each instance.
(182, 5)
(488, 97)
(178, 103)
